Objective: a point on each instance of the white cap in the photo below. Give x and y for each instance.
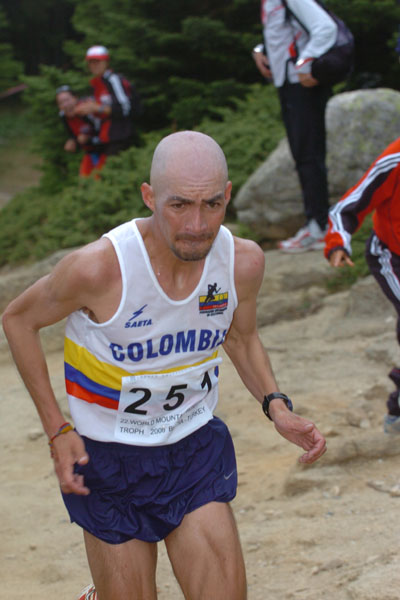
(97, 53)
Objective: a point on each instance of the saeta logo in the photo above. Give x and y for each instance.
(133, 322)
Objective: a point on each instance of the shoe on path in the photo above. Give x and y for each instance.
(89, 593)
(309, 237)
(391, 424)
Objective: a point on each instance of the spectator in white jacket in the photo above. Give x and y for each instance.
(295, 33)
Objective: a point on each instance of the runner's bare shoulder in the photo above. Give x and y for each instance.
(88, 271)
(249, 262)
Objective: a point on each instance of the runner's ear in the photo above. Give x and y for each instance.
(148, 195)
(228, 190)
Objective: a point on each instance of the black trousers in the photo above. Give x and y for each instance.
(303, 113)
(114, 148)
(385, 267)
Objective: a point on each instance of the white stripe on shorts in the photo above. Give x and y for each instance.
(385, 260)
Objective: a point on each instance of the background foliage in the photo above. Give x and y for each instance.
(37, 221)
(11, 69)
(185, 56)
(190, 61)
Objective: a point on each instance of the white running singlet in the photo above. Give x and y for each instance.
(149, 375)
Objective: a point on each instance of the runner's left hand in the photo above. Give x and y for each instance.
(301, 432)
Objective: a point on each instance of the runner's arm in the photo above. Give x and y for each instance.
(48, 301)
(376, 187)
(244, 347)
(321, 28)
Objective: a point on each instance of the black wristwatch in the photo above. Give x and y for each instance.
(270, 397)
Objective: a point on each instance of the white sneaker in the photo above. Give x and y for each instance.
(89, 593)
(391, 424)
(310, 237)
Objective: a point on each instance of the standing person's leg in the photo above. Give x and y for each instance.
(122, 571)
(114, 148)
(385, 267)
(206, 555)
(303, 113)
(86, 166)
(91, 161)
(311, 165)
(100, 163)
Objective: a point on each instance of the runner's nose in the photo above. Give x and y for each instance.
(197, 222)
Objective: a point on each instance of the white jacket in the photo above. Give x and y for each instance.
(282, 35)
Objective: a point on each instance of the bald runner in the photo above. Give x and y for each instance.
(149, 305)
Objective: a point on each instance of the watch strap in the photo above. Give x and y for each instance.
(259, 49)
(268, 399)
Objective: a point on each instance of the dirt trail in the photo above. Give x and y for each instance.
(327, 532)
(19, 169)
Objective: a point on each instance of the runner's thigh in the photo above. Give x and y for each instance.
(206, 555)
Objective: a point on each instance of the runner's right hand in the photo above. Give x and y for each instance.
(69, 449)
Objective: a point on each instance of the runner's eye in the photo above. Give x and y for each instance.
(214, 203)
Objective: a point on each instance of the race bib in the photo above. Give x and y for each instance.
(157, 409)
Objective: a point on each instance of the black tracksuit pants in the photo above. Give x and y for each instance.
(385, 267)
(303, 113)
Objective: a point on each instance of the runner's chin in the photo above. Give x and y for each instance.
(192, 251)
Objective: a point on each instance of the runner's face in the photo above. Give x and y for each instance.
(189, 216)
(66, 102)
(97, 67)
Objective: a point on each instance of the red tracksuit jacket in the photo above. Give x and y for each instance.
(378, 190)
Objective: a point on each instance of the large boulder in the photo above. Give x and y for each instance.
(360, 125)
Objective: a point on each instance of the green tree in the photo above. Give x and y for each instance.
(11, 69)
(60, 168)
(174, 51)
(37, 31)
(189, 59)
(185, 60)
(374, 24)
(37, 222)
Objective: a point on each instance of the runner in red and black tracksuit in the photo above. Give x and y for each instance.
(115, 103)
(82, 130)
(379, 191)
(116, 129)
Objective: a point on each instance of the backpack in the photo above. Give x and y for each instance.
(337, 63)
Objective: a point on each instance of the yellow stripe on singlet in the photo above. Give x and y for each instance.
(109, 375)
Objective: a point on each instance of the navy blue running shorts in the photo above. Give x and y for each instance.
(140, 492)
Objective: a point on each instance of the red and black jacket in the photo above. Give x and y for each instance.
(116, 91)
(378, 190)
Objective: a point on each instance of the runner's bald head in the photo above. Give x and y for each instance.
(187, 153)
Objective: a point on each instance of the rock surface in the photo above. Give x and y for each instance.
(360, 125)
